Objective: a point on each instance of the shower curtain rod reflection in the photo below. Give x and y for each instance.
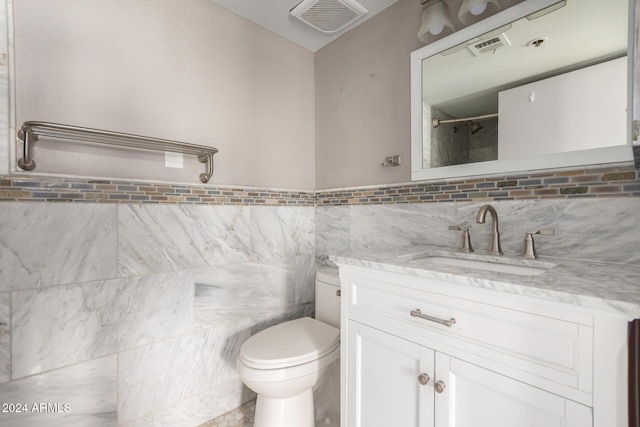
(437, 122)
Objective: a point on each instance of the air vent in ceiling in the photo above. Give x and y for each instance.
(328, 16)
(489, 45)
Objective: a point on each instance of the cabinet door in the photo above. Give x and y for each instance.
(475, 397)
(382, 385)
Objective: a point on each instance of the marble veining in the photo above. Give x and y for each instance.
(58, 326)
(155, 307)
(609, 287)
(96, 281)
(165, 238)
(159, 375)
(5, 337)
(304, 279)
(46, 245)
(89, 390)
(282, 231)
(262, 291)
(237, 291)
(333, 229)
(602, 229)
(199, 409)
(380, 227)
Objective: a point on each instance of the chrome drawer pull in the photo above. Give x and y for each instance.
(447, 323)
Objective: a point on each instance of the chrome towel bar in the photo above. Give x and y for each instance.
(31, 131)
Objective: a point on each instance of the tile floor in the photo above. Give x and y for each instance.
(239, 417)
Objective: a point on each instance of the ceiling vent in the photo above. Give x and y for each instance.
(489, 45)
(328, 16)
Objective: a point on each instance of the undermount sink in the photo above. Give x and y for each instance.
(495, 264)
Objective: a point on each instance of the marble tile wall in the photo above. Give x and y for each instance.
(154, 238)
(197, 410)
(137, 312)
(97, 319)
(170, 371)
(75, 396)
(47, 245)
(592, 229)
(281, 288)
(5, 337)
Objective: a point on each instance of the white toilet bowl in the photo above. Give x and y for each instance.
(282, 364)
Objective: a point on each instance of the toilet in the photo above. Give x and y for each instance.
(284, 363)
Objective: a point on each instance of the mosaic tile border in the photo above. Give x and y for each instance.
(48, 189)
(604, 182)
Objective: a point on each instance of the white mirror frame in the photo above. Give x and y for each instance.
(614, 154)
(7, 130)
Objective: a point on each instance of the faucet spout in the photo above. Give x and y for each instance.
(494, 247)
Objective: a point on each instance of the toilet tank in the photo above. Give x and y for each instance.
(328, 296)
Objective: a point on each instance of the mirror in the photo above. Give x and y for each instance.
(542, 84)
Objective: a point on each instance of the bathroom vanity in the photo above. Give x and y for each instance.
(431, 339)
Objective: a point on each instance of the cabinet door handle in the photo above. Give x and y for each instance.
(447, 323)
(439, 386)
(423, 379)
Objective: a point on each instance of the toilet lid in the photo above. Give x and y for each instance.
(290, 343)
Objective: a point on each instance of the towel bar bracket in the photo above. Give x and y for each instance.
(26, 162)
(208, 159)
(30, 132)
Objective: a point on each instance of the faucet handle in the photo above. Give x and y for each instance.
(465, 240)
(529, 250)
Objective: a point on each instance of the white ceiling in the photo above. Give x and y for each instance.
(274, 16)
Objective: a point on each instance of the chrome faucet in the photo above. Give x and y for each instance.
(494, 238)
(529, 250)
(465, 240)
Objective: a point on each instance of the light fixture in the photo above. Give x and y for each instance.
(435, 21)
(473, 11)
(441, 18)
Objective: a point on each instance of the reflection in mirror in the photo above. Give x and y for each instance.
(527, 92)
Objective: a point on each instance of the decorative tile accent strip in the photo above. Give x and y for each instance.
(105, 191)
(605, 182)
(623, 181)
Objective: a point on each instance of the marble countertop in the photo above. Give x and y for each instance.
(610, 287)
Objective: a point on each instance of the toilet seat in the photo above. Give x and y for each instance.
(291, 343)
(277, 378)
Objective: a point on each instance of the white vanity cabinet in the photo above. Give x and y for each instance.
(386, 390)
(507, 361)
